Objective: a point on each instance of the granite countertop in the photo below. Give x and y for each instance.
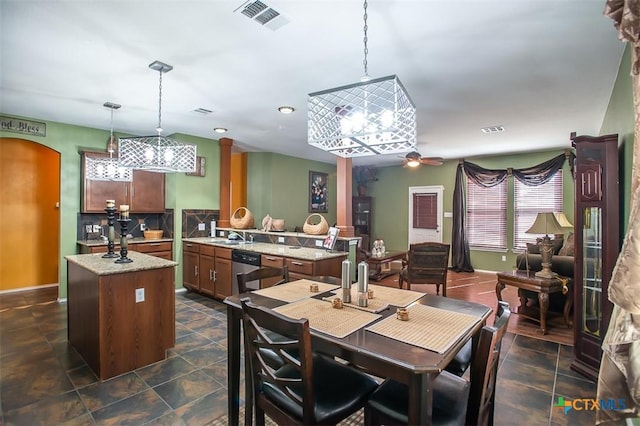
(101, 266)
(136, 240)
(303, 253)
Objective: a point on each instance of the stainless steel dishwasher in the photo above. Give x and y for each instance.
(243, 261)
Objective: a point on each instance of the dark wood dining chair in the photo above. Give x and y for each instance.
(456, 401)
(426, 263)
(307, 389)
(262, 273)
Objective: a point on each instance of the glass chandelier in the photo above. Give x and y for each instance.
(108, 168)
(157, 153)
(375, 116)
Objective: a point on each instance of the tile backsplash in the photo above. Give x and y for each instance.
(162, 221)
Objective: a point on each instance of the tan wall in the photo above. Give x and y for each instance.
(29, 214)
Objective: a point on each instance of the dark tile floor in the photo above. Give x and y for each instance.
(44, 381)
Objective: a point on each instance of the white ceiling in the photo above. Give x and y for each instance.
(540, 68)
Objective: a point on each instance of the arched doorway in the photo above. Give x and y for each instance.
(29, 214)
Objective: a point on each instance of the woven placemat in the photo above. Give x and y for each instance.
(383, 295)
(373, 305)
(431, 328)
(294, 290)
(327, 319)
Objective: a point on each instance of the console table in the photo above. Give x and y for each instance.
(376, 264)
(524, 280)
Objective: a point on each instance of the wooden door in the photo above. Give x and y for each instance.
(29, 214)
(190, 264)
(207, 268)
(222, 277)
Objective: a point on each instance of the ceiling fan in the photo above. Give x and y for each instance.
(414, 159)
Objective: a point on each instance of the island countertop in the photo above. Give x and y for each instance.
(295, 252)
(103, 266)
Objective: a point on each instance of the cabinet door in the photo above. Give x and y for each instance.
(96, 192)
(207, 268)
(274, 262)
(190, 264)
(147, 192)
(222, 277)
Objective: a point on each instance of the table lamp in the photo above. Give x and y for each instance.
(545, 223)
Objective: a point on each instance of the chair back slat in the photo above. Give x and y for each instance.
(260, 327)
(261, 273)
(484, 369)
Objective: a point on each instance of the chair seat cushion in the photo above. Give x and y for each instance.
(450, 396)
(462, 360)
(339, 390)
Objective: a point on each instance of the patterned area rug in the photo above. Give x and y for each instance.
(356, 419)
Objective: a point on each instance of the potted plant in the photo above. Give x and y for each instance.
(363, 175)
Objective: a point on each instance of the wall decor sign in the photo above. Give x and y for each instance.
(317, 192)
(18, 125)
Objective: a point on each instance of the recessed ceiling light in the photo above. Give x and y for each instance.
(220, 130)
(286, 109)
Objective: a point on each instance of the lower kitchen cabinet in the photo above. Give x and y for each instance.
(273, 262)
(207, 269)
(301, 269)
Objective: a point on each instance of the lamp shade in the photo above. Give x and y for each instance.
(545, 223)
(562, 220)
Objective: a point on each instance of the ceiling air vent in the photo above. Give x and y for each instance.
(263, 14)
(493, 129)
(202, 111)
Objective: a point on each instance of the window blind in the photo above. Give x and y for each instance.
(425, 211)
(531, 200)
(487, 216)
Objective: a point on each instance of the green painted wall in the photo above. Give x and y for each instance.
(182, 191)
(391, 201)
(620, 119)
(278, 185)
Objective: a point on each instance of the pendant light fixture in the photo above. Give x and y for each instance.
(158, 153)
(374, 116)
(108, 168)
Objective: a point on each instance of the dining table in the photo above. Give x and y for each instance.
(413, 352)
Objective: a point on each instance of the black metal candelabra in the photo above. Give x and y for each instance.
(124, 224)
(111, 217)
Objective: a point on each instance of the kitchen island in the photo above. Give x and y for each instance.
(121, 316)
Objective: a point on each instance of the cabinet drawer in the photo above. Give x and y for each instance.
(207, 250)
(162, 254)
(223, 253)
(152, 247)
(191, 247)
(273, 261)
(299, 266)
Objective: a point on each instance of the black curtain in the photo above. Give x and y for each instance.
(531, 176)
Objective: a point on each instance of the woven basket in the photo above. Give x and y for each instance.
(242, 218)
(153, 234)
(319, 228)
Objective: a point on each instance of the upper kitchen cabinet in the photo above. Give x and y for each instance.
(144, 194)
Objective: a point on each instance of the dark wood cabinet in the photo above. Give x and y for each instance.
(207, 269)
(361, 221)
(161, 249)
(597, 244)
(144, 194)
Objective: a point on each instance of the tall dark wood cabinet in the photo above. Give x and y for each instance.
(361, 208)
(597, 244)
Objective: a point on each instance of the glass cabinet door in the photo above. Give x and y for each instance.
(592, 271)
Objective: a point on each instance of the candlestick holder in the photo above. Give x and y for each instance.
(111, 217)
(124, 224)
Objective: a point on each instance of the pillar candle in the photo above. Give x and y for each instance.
(124, 211)
(111, 203)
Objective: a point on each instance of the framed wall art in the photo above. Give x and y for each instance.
(317, 192)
